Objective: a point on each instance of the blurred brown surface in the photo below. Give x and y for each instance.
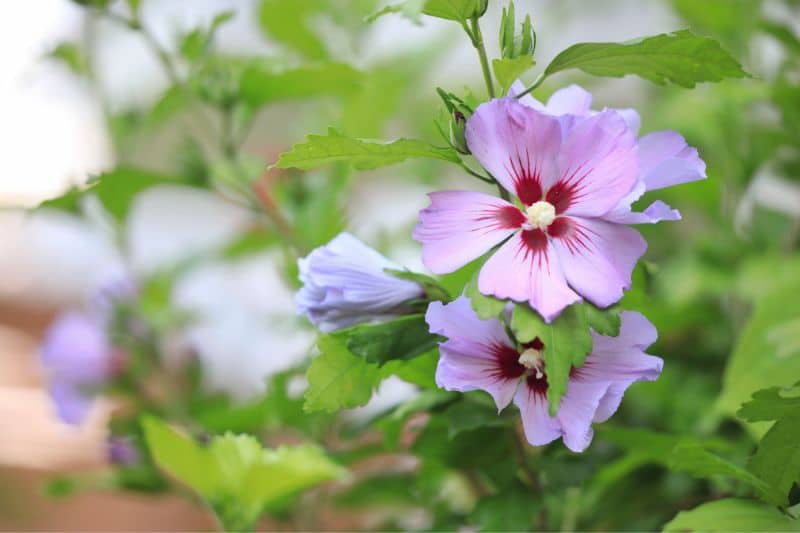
(35, 446)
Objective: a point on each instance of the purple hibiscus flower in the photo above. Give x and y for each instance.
(78, 359)
(575, 176)
(345, 282)
(479, 355)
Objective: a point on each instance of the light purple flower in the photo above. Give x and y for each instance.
(479, 355)
(665, 159)
(78, 359)
(344, 283)
(576, 176)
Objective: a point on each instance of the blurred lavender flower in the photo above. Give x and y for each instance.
(122, 451)
(77, 358)
(345, 282)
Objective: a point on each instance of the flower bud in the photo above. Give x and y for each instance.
(481, 7)
(458, 124)
(515, 45)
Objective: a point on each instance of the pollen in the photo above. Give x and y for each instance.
(533, 360)
(541, 214)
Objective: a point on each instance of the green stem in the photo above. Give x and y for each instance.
(477, 42)
(530, 89)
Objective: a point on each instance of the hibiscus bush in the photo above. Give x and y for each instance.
(572, 351)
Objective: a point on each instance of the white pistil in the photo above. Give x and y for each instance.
(541, 214)
(532, 360)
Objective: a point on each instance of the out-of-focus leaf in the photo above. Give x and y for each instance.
(337, 379)
(320, 150)
(732, 514)
(72, 56)
(433, 289)
(262, 84)
(410, 9)
(512, 510)
(681, 58)
(234, 474)
(418, 371)
(399, 339)
(762, 356)
(783, 33)
(777, 460)
(467, 416)
(289, 24)
(115, 189)
(457, 10)
(392, 424)
(507, 70)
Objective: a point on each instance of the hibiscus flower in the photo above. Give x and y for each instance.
(479, 355)
(575, 176)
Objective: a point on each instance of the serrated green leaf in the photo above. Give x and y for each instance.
(116, 190)
(363, 154)
(507, 70)
(485, 307)
(603, 321)
(526, 323)
(777, 460)
(681, 58)
(770, 404)
(262, 83)
(337, 379)
(418, 371)
(732, 514)
(399, 339)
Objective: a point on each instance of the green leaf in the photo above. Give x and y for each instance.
(402, 338)
(465, 415)
(418, 371)
(762, 356)
(337, 379)
(513, 509)
(770, 404)
(410, 9)
(72, 56)
(115, 189)
(392, 424)
(181, 457)
(681, 58)
(507, 70)
(288, 24)
(567, 340)
(485, 307)
(432, 287)
(777, 460)
(262, 83)
(732, 514)
(234, 474)
(363, 154)
(458, 10)
(694, 459)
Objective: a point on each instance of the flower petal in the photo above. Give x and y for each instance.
(540, 428)
(460, 226)
(571, 100)
(577, 410)
(621, 361)
(526, 268)
(597, 256)
(665, 159)
(527, 100)
(478, 354)
(597, 166)
(516, 144)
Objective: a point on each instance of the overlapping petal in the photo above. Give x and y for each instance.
(598, 257)
(526, 268)
(666, 159)
(477, 355)
(460, 226)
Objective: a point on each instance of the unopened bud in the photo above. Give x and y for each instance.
(513, 45)
(458, 125)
